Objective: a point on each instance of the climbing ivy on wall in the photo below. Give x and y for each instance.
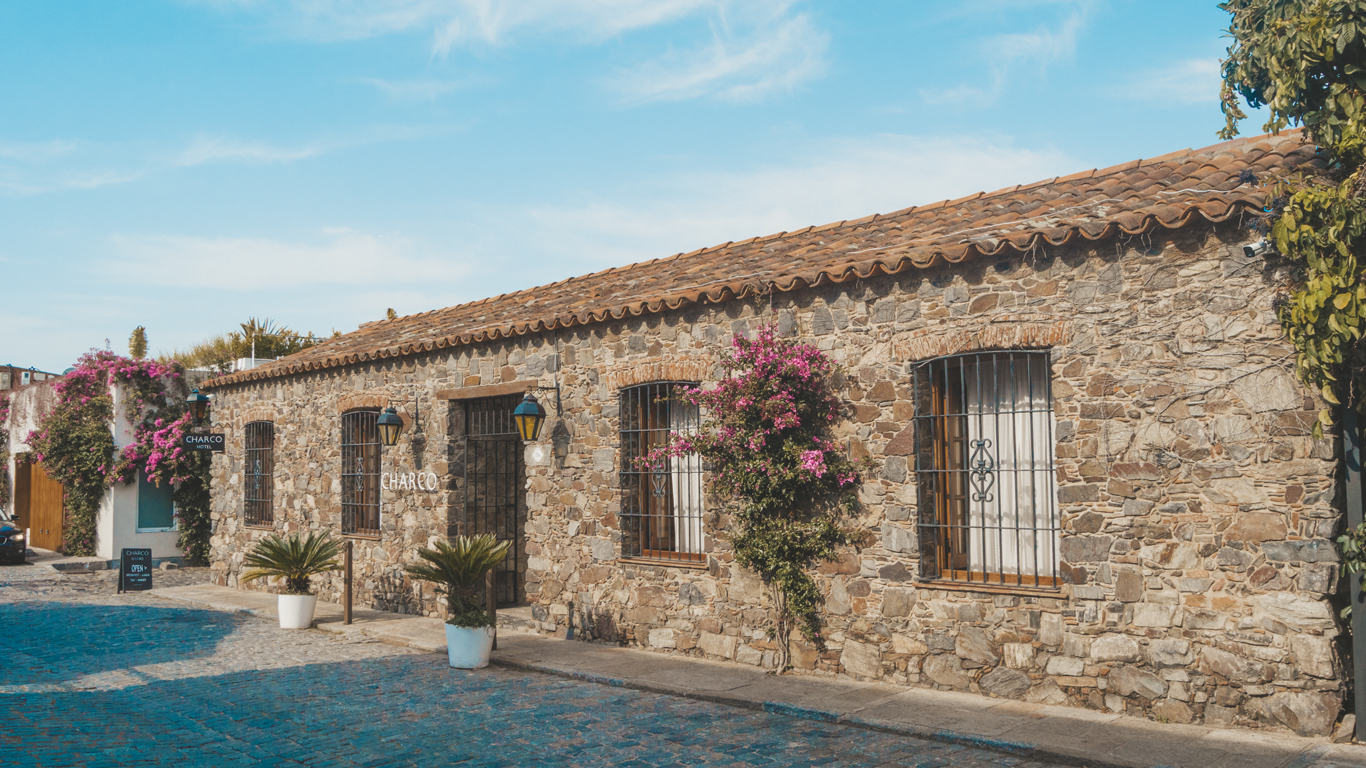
(767, 446)
(1305, 60)
(76, 445)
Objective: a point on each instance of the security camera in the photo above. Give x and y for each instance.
(1257, 249)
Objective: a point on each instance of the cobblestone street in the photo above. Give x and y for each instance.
(99, 679)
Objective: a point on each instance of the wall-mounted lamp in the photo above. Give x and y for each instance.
(390, 427)
(199, 406)
(530, 416)
(1257, 249)
(390, 424)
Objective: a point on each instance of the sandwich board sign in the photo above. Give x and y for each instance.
(135, 570)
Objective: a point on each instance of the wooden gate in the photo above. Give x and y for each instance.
(38, 505)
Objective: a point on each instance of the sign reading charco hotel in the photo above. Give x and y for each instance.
(1096, 481)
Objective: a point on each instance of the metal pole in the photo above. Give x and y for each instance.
(1352, 456)
(346, 607)
(492, 595)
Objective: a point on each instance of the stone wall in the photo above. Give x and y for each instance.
(1197, 509)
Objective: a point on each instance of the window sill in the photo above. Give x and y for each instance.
(155, 530)
(365, 536)
(260, 526)
(991, 589)
(657, 562)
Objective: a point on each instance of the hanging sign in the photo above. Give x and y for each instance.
(213, 441)
(135, 570)
(410, 481)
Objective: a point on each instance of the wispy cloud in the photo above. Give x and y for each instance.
(68, 165)
(1193, 81)
(843, 180)
(336, 256)
(1009, 54)
(776, 56)
(37, 151)
(413, 90)
(749, 48)
(202, 150)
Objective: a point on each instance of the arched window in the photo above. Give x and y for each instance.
(259, 490)
(985, 452)
(661, 505)
(360, 472)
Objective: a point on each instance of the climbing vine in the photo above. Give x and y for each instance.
(766, 442)
(4, 449)
(1305, 60)
(76, 445)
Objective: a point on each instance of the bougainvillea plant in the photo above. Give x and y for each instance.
(4, 448)
(76, 446)
(766, 442)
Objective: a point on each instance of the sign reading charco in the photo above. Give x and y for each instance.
(411, 481)
(212, 441)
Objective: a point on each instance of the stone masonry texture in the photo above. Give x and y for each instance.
(1197, 509)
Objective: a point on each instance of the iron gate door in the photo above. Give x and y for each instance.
(493, 483)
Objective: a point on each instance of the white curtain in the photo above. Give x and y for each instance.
(1012, 517)
(686, 481)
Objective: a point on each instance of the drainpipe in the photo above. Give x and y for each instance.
(1352, 457)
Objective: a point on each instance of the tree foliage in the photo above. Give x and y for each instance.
(1305, 61)
(272, 341)
(137, 343)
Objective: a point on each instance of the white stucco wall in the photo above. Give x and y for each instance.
(120, 507)
(116, 525)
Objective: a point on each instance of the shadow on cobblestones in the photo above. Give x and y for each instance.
(61, 642)
(97, 679)
(415, 711)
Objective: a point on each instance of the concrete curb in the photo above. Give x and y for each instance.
(1140, 744)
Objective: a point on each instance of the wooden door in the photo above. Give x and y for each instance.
(21, 491)
(45, 509)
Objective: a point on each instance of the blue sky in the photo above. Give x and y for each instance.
(187, 165)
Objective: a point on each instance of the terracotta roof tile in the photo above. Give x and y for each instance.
(1168, 191)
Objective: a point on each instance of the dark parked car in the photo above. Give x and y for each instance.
(13, 547)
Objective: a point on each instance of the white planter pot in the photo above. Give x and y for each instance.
(469, 648)
(296, 611)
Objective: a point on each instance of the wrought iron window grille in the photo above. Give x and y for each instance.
(985, 455)
(662, 502)
(360, 449)
(258, 496)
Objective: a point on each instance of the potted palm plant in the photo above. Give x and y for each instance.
(458, 568)
(294, 560)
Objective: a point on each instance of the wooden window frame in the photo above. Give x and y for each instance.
(957, 474)
(653, 531)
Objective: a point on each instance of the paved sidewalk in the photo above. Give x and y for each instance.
(1063, 734)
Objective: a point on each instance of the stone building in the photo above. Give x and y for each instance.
(1096, 479)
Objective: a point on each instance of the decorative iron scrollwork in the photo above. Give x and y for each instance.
(659, 478)
(983, 468)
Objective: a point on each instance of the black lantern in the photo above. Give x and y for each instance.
(530, 416)
(199, 405)
(390, 425)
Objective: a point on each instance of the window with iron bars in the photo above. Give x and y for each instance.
(360, 473)
(985, 459)
(258, 494)
(661, 505)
